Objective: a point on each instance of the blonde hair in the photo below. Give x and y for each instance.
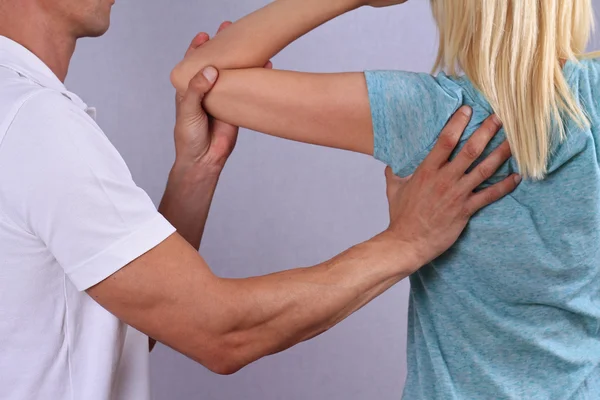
(514, 51)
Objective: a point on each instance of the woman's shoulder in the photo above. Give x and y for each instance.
(584, 78)
(586, 70)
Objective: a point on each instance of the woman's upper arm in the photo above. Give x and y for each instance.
(409, 110)
(330, 110)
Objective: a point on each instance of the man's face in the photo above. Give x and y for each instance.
(82, 18)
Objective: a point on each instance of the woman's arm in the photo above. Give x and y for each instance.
(256, 38)
(324, 109)
(329, 110)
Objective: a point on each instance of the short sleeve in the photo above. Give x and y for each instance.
(62, 181)
(409, 110)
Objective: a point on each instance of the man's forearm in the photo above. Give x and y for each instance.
(275, 312)
(186, 204)
(187, 199)
(256, 38)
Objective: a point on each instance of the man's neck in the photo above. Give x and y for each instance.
(44, 39)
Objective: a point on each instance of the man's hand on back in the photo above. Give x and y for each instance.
(430, 209)
(171, 294)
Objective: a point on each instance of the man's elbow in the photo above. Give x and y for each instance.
(225, 364)
(225, 368)
(227, 357)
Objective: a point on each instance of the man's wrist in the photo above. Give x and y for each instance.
(405, 255)
(195, 172)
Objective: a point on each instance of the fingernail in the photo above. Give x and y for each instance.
(210, 73)
(466, 110)
(518, 179)
(496, 119)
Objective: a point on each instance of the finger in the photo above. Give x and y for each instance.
(390, 177)
(202, 83)
(448, 139)
(492, 194)
(391, 187)
(486, 169)
(224, 25)
(198, 41)
(475, 146)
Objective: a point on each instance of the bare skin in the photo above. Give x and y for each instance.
(170, 292)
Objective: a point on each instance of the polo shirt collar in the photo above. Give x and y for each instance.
(19, 59)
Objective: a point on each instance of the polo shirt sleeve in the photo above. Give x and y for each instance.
(62, 181)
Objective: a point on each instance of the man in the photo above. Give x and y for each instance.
(84, 255)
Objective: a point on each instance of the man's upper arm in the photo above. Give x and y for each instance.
(171, 295)
(63, 182)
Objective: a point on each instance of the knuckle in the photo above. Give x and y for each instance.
(492, 194)
(443, 187)
(423, 174)
(199, 83)
(462, 116)
(505, 151)
(485, 171)
(459, 121)
(491, 125)
(465, 212)
(506, 187)
(448, 140)
(471, 150)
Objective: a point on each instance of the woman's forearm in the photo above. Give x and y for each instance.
(256, 38)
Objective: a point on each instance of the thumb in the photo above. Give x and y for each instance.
(393, 183)
(202, 83)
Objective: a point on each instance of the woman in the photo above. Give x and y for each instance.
(513, 310)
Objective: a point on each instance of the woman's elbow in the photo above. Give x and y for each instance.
(181, 77)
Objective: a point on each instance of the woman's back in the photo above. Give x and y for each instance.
(513, 310)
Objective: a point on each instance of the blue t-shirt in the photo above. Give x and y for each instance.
(512, 311)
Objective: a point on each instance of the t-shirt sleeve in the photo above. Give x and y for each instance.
(409, 110)
(62, 181)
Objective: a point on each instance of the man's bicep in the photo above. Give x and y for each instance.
(165, 293)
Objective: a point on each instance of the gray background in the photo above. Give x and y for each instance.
(279, 204)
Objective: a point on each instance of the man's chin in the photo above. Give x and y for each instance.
(93, 32)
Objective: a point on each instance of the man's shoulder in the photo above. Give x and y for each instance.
(18, 95)
(16, 88)
(13, 86)
(24, 99)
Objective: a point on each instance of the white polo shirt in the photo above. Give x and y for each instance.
(70, 216)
